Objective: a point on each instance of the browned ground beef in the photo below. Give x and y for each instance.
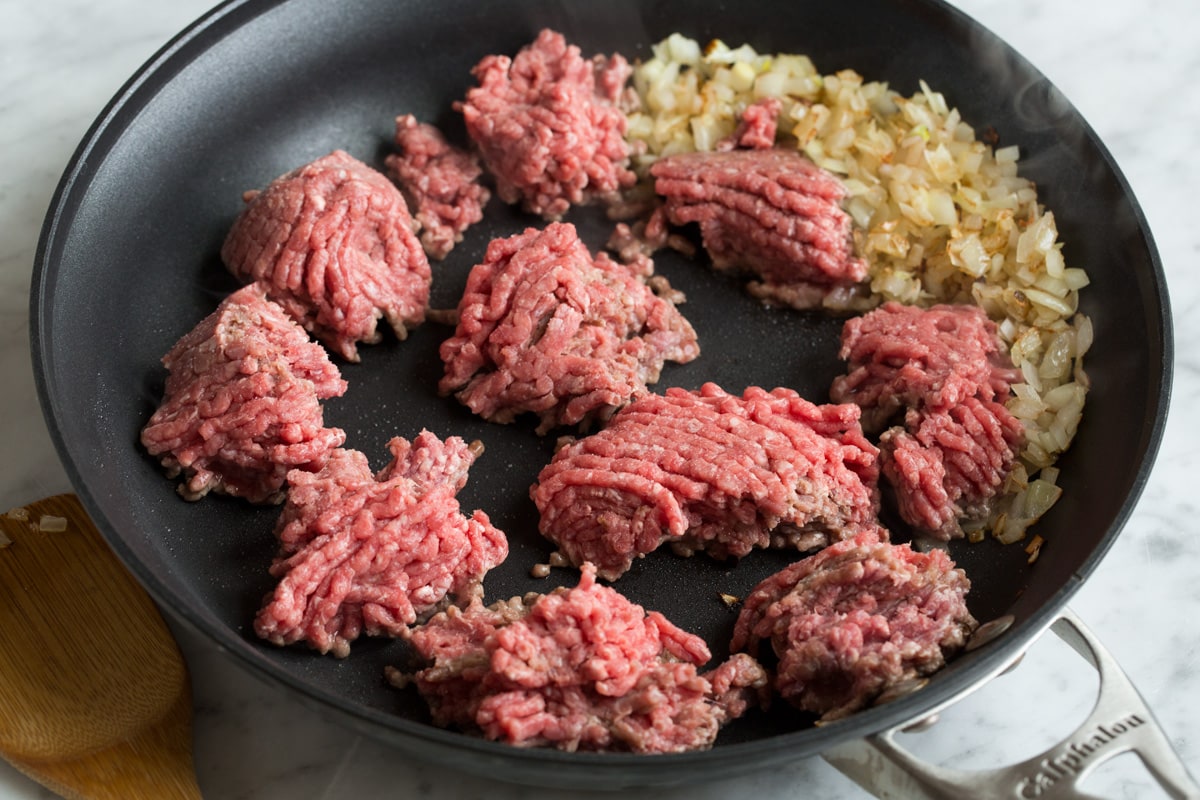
(440, 183)
(771, 212)
(900, 357)
(241, 402)
(333, 243)
(856, 618)
(578, 669)
(548, 125)
(361, 553)
(946, 466)
(946, 369)
(546, 328)
(709, 471)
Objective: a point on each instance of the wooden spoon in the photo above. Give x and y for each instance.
(95, 701)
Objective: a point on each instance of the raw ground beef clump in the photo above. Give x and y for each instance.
(440, 183)
(333, 243)
(241, 406)
(945, 369)
(709, 471)
(947, 466)
(364, 553)
(546, 328)
(578, 669)
(548, 126)
(757, 127)
(771, 212)
(900, 357)
(855, 619)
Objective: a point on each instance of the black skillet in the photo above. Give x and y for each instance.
(128, 262)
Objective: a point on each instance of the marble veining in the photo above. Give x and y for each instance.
(1129, 68)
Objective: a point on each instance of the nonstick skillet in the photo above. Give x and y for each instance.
(128, 262)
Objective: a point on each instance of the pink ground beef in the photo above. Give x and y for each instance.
(757, 127)
(333, 243)
(546, 328)
(947, 466)
(945, 368)
(855, 619)
(548, 126)
(440, 183)
(709, 471)
(241, 405)
(578, 669)
(900, 357)
(770, 212)
(364, 553)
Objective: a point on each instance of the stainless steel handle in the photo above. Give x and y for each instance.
(1119, 723)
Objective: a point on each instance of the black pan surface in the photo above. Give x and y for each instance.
(128, 262)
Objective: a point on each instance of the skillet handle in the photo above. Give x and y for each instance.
(1119, 723)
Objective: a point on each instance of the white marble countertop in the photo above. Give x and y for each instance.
(1129, 68)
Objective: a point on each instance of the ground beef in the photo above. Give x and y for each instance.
(709, 471)
(548, 127)
(333, 243)
(364, 553)
(944, 367)
(578, 669)
(902, 357)
(241, 402)
(545, 327)
(946, 466)
(855, 619)
(757, 127)
(440, 183)
(771, 212)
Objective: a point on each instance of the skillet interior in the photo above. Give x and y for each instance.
(128, 263)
